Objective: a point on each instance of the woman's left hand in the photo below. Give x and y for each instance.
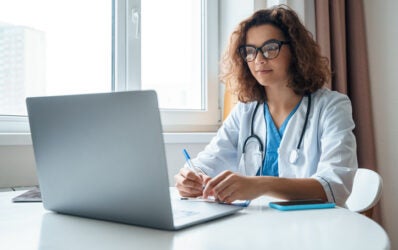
(229, 186)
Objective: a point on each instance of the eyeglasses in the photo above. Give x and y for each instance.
(270, 50)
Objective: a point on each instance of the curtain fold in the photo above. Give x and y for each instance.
(340, 32)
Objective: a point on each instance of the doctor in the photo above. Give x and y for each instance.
(288, 137)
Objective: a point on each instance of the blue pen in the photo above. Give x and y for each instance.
(190, 164)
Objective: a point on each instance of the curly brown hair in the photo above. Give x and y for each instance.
(309, 71)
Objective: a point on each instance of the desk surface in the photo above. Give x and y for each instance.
(29, 226)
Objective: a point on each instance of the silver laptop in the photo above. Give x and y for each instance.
(102, 156)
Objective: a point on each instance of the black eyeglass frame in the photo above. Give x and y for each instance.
(243, 54)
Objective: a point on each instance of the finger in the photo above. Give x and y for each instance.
(205, 179)
(188, 185)
(189, 174)
(229, 188)
(190, 179)
(214, 182)
(231, 198)
(223, 189)
(189, 194)
(226, 194)
(189, 191)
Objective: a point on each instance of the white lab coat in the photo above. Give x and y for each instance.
(327, 153)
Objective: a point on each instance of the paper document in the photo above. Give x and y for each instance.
(242, 203)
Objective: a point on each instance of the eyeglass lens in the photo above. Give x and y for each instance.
(269, 51)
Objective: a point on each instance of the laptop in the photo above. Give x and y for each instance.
(102, 156)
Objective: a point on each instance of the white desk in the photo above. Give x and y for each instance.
(29, 226)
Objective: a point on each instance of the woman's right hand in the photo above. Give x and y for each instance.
(190, 184)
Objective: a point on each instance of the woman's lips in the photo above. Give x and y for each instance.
(264, 71)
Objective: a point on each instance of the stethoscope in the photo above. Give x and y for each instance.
(253, 138)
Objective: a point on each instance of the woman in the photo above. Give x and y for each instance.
(301, 144)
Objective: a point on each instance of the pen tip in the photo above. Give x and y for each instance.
(185, 151)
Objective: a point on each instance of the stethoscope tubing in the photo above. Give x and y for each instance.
(307, 115)
(252, 134)
(256, 137)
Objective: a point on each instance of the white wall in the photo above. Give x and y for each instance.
(17, 167)
(382, 37)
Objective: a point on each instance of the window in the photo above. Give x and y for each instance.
(54, 47)
(172, 47)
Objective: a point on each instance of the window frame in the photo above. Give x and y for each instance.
(11, 124)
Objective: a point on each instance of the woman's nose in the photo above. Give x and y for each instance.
(260, 59)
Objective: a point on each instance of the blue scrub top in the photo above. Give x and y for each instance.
(273, 139)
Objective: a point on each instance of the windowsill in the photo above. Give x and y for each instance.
(24, 139)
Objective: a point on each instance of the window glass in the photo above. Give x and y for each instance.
(53, 47)
(171, 52)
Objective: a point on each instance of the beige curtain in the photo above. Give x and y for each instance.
(340, 32)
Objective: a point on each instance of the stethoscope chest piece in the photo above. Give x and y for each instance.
(294, 155)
